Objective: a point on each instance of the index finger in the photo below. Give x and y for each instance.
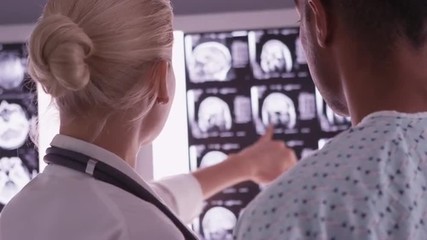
(268, 135)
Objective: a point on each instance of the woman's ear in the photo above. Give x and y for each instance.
(160, 76)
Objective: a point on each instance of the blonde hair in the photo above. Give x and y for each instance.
(88, 53)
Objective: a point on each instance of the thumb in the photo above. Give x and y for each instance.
(268, 135)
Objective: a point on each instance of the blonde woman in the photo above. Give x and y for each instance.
(107, 65)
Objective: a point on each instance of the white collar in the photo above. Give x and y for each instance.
(100, 154)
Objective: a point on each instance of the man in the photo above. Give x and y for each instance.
(369, 60)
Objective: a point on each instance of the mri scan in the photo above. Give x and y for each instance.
(14, 126)
(206, 155)
(271, 106)
(279, 110)
(212, 158)
(13, 177)
(218, 224)
(12, 71)
(238, 84)
(18, 111)
(275, 57)
(217, 57)
(208, 58)
(328, 119)
(272, 53)
(209, 115)
(212, 61)
(214, 115)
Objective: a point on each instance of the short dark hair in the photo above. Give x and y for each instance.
(383, 21)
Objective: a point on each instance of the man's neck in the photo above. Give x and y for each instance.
(399, 84)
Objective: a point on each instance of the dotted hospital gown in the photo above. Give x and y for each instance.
(369, 182)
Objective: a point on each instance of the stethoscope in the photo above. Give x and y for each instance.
(104, 172)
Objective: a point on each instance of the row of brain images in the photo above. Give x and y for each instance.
(18, 112)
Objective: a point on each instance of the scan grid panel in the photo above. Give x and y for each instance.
(238, 83)
(18, 118)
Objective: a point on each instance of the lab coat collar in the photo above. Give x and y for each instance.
(100, 154)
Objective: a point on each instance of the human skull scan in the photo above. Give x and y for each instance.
(212, 62)
(14, 126)
(334, 118)
(214, 115)
(218, 224)
(329, 120)
(12, 71)
(13, 177)
(279, 110)
(276, 57)
(212, 158)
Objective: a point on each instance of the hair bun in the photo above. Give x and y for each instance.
(58, 52)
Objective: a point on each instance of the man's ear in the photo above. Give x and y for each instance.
(321, 21)
(160, 76)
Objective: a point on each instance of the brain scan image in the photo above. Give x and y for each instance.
(329, 120)
(212, 158)
(214, 115)
(334, 118)
(12, 71)
(279, 110)
(13, 177)
(212, 62)
(276, 57)
(218, 224)
(14, 126)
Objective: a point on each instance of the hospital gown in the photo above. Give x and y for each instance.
(369, 182)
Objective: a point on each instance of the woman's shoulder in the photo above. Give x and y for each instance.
(140, 217)
(63, 204)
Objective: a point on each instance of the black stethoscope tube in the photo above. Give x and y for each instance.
(103, 172)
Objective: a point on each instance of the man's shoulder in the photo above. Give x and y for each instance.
(350, 160)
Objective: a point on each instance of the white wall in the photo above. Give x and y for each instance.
(170, 150)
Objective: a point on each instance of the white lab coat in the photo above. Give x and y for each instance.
(63, 204)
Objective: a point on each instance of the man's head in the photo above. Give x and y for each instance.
(361, 32)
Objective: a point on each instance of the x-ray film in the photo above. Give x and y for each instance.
(13, 71)
(207, 155)
(289, 108)
(17, 168)
(213, 158)
(218, 223)
(277, 54)
(14, 125)
(328, 119)
(13, 177)
(18, 115)
(217, 112)
(216, 57)
(238, 84)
